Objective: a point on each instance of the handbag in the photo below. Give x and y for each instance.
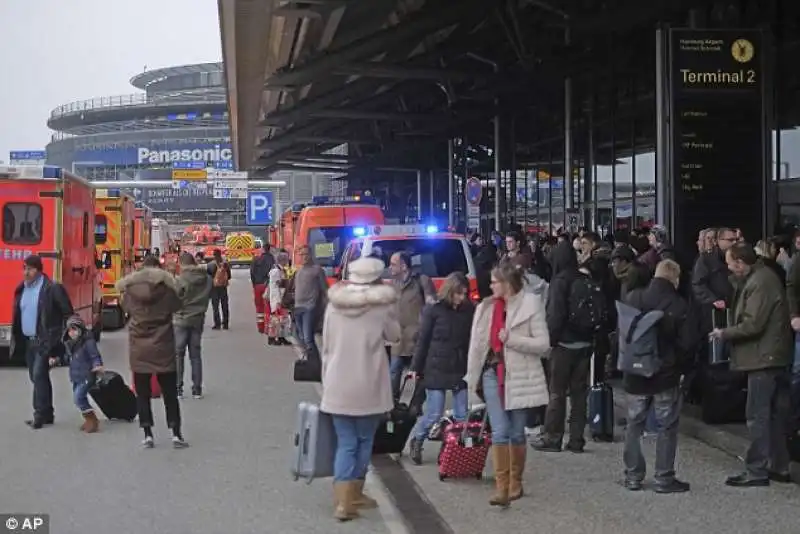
(308, 369)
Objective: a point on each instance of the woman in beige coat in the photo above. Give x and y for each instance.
(508, 341)
(359, 321)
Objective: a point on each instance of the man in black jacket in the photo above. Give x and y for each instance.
(711, 286)
(41, 309)
(570, 358)
(259, 277)
(678, 336)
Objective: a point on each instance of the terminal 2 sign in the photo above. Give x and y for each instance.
(716, 143)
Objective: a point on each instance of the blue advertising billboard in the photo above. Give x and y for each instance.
(218, 155)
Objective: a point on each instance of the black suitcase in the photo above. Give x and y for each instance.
(724, 395)
(395, 428)
(601, 409)
(113, 396)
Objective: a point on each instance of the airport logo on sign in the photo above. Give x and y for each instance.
(215, 153)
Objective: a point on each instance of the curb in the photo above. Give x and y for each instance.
(714, 436)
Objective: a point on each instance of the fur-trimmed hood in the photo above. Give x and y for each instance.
(355, 299)
(142, 285)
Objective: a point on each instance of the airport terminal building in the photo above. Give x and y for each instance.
(179, 115)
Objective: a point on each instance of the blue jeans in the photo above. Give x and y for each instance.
(39, 374)
(434, 409)
(80, 394)
(354, 438)
(304, 321)
(508, 426)
(190, 337)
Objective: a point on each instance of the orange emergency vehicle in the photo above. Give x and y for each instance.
(48, 211)
(325, 226)
(142, 233)
(433, 253)
(114, 237)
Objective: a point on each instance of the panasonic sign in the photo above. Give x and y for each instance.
(215, 153)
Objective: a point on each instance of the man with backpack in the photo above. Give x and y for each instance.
(577, 312)
(220, 272)
(657, 334)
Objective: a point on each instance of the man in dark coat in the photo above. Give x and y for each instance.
(150, 296)
(711, 287)
(678, 336)
(760, 337)
(41, 309)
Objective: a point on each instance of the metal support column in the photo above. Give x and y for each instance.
(569, 190)
(419, 195)
(497, 168)
(451, 177)
(431, 211)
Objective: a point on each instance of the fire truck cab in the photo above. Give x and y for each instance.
(47, 211)
(114, 236)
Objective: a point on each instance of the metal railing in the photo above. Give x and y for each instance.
(132, 100)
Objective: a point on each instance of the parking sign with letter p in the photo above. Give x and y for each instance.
(259, 208)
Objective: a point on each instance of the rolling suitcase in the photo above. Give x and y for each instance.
(601, 409)
(114, 398)
(314, 443)
(396, 426)
(465, 447)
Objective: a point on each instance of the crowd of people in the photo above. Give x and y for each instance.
(547, 326)
(548, 311)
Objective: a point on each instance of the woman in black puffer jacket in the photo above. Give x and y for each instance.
(440, 358)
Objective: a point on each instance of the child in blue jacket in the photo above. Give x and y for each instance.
(84, 362)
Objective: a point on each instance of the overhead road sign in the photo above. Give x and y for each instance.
(189, 174)
(196, 165)
(27, 157)
(215, 174)
(259, 208)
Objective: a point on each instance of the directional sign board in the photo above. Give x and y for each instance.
(189, 174)
(259, 208)
(196, 165)
(27, 157)
(228, 184)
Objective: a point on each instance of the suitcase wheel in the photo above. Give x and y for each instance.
(442, 477)
(479, 476)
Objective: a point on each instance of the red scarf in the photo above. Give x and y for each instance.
(498, 323)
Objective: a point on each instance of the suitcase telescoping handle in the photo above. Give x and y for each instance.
(483, 422)
(726, 316)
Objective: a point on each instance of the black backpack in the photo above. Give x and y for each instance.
(588, 309)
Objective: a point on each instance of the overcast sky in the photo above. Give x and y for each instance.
(57, 51)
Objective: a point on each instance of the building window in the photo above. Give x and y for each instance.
(22, 223)
(100, 229)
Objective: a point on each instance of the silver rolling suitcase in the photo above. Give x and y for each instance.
(314, 443)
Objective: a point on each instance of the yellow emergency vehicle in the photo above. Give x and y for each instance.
(114, 238)
(240, 248)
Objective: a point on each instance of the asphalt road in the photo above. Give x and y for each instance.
(234, 478)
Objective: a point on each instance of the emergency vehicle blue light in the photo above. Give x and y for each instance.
(431, 229)
(50, 171)
(358, 231)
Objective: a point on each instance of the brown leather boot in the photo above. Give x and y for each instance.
(344, 491)
(90, 423)
(361, 500)
(518, 454)
(501, 461)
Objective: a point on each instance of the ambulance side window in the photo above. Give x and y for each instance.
(22, 223)
(100, 229)
(85, 230)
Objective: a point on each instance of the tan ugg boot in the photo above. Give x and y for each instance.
(344, 491)
(501, 461)
(90, 423)
(361, 500)
(518, 454)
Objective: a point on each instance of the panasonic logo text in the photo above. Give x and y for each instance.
(215, 153)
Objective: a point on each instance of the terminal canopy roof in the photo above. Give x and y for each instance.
(394, 79)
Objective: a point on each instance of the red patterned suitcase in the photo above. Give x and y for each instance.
(464, 450)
